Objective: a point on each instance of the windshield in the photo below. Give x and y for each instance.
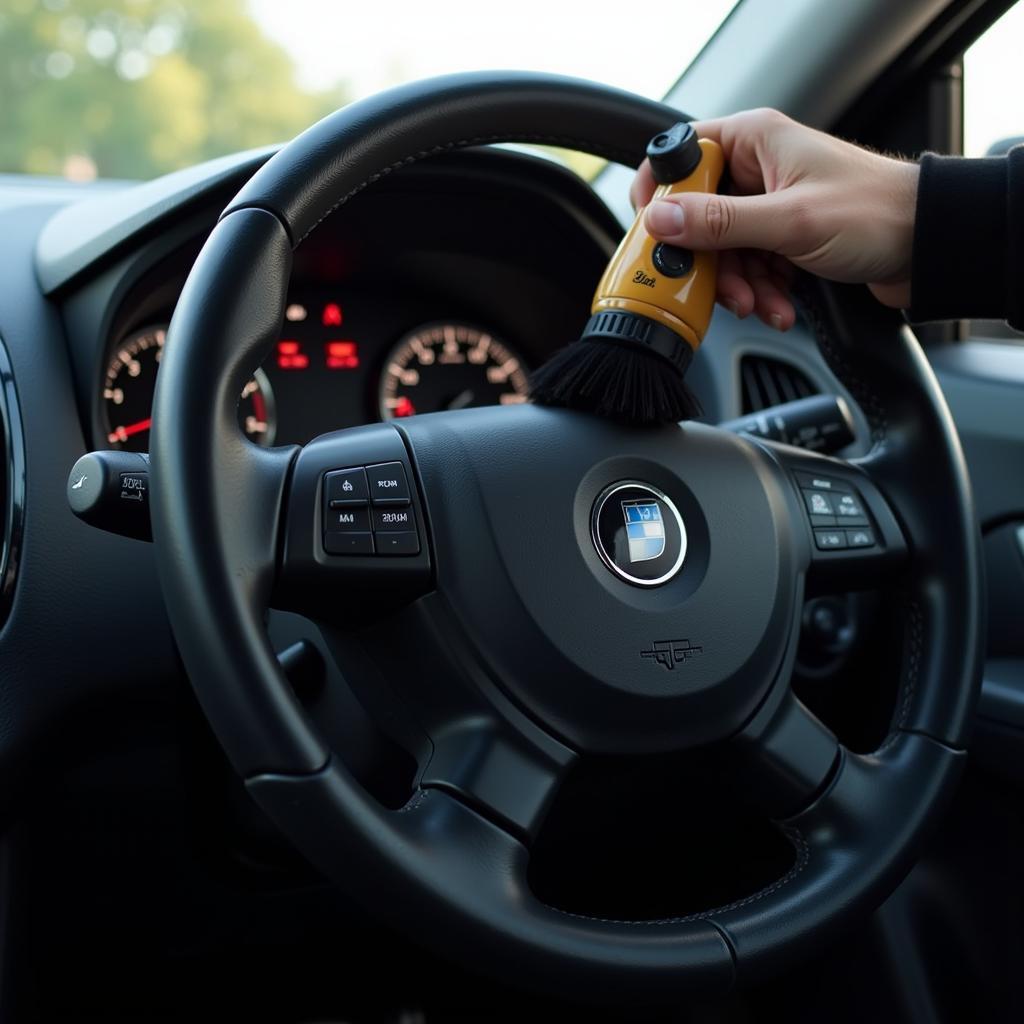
(136, 88)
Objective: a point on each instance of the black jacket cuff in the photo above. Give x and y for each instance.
(968, 255)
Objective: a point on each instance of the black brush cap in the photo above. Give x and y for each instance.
(674, 154)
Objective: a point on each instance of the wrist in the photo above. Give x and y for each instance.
(900, 208)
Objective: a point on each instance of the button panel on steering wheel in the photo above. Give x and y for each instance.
(368, 510)
(854, 533)
(355, 524)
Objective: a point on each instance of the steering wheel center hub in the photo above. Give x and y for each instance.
(633, 588)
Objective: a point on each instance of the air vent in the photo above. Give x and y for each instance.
(765, 382)
(12, 483)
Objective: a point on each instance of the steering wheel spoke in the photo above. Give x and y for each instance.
(479, 747)
(787, 756)
(511, 783)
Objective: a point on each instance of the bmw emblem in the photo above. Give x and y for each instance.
(638, 533)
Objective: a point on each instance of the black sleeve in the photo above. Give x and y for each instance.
(968, 258)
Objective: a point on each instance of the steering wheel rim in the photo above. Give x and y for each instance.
(219, 505)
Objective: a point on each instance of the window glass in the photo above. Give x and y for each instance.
(994, 113)
(993, 96)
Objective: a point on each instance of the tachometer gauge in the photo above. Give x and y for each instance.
(449, 366)
(130, 383)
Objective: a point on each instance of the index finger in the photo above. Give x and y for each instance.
(643, 186)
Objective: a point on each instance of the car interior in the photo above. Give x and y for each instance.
(442, 760)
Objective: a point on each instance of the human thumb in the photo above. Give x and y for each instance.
(698, 220)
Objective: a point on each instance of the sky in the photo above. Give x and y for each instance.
(993, 90)
(372, 46)
(334, 40)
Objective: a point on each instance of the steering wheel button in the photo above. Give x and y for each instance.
(406, 543)
(819, 504)
(394, 520)
(848, 506)
(830, 540)
(823, 521)
(860, 539)
(342, 542)
(346, 487)
(814, 482)
(388, 484)
(351, 519)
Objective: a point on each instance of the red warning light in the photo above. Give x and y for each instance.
(404, 407)
(331, 315)
(341, 355)
(290, 356)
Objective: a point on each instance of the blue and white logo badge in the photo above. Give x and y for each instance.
(644, 528)
(638, 533)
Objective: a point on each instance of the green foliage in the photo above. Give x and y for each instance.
(135, 88)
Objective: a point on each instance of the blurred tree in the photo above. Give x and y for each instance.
(134, 88)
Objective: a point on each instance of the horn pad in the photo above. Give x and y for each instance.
(633, 589)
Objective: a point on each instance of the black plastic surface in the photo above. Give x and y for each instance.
(820, 423)
(89, 231)
(87, 591)
(12, 488)
(1002, 695)
(510, 494)
(110, 490)
(674, 154)
(624, 328)
(1004, 568)
(322, 584)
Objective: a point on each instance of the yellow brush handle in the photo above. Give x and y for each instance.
(649, 279)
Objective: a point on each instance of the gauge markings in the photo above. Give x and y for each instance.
(449, 366)
(130, 383)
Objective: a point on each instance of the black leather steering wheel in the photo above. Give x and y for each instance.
(507, 639)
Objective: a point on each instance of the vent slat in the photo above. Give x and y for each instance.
(765, 382)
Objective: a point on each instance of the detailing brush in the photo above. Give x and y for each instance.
(650, 312)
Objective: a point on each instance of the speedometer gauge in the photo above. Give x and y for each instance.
(449, 366)
(130, 383)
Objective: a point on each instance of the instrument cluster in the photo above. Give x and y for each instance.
(333, 366)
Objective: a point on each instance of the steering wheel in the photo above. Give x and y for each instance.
(490, 600)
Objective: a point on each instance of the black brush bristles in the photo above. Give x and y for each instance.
(619, 380)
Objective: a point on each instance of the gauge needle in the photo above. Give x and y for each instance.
(462, 399)
(134, 428)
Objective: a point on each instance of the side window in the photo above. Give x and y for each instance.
(994, 112)
(993, 100)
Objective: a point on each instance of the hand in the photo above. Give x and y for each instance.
(802, 198)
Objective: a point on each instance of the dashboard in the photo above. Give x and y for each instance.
(395, 308)
(440, 288)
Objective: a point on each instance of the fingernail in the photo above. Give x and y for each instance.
(733, 306)
(776, 321)
(664, 218)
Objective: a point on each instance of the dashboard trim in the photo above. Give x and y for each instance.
(82, 234)
(14, 491)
